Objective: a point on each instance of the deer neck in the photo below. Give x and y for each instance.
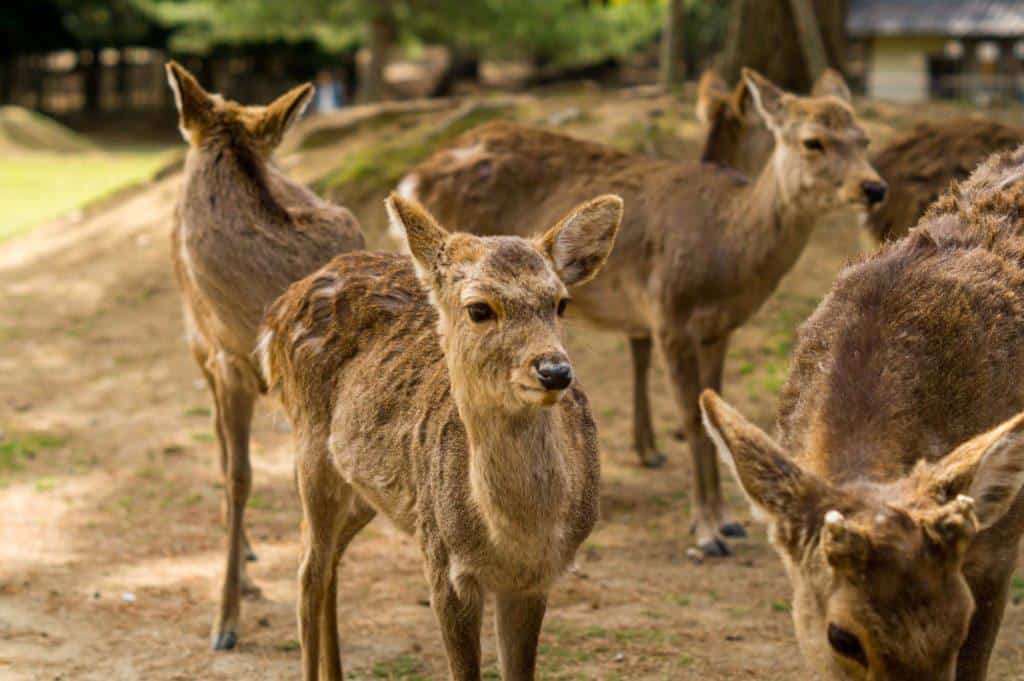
(517, 470)
(768, 225)
(226, 176)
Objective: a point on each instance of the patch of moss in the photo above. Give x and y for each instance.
(376, 169)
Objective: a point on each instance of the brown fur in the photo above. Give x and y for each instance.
(700, 249)
(404, 405)
(924, 163)
(243, 232)
(915, 351)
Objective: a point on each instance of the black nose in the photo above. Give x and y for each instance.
(554, 375)
(874, 191)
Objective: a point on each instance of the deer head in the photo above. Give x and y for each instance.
(876, 568)
(500, 299)
(203, 116)
(820, 155)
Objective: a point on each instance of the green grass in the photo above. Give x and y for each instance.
(37, 187)
(15, 449)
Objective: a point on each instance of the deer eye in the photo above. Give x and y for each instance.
(813, 144)
(562, 304)
(847, 645)
(480, 312)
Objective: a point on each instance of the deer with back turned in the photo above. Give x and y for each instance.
(242, 233)
(893, 490)
(437, 391)
(700, 249)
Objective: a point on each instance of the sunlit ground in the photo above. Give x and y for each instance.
(40, 186)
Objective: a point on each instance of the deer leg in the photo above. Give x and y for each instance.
(235, 397)
(330, 653)
(519, 620)
(711, 359)
(459, 612)
(643, 431)
(680, 356)
(326, 509)
(201, 355)
(990, 590)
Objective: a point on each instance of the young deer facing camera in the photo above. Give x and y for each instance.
(898, 522)
(701, 247)
(242, 233)
(443, 398)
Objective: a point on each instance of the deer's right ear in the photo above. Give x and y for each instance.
(580, 243)
(778, 489)
(425, 236)
(195, 106)
(768, 98)
(712, 96)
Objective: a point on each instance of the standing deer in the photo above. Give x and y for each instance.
(701, 247)
(438, 392)
(242, 233)
(893, 492)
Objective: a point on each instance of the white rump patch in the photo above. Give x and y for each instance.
(262, 353)
(467, 153)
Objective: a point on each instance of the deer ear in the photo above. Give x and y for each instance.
(768, 98)
(282, 113)
(778, 489)
(831, 83)
(712, 96)
(195, 106)
(580, 243)
(425, 236)
(988, 468)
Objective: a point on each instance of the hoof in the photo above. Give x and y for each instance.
(250, 556)
(653, 460)
(714, 548)
(679, 434)
(225, 640)
(734, 530)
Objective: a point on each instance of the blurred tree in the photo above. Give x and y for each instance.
(562, 32)
(757, 32)
(673, 44)
(27, 27)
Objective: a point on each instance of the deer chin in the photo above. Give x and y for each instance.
(536, 395)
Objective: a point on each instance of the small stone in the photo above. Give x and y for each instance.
(619, 658)
(264, 622)
(128, 597)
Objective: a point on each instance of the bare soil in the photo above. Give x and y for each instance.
(111, 541)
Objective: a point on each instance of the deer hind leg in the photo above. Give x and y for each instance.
(327, 507)
(235, 394)
(330, 653)
(643, 431)
(519, 620)
(201, 355)
(459, 611)
(680, 355)
(711, 361)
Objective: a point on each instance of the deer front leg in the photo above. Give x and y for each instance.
(459, 612)
(680, 356)
(711, 362)
(990, 590)
(643, 431)
(235, 396)
(519, 620)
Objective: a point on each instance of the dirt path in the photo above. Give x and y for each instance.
(110, 532)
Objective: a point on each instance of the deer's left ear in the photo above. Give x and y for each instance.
(831, 83)
(580, 243)
(281, 114)
(988, 468)
(425, 236)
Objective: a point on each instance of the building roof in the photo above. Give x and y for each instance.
(957, 18)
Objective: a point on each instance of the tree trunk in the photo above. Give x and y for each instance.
(797, 50)
(673, 44)
(93, 82)
(382, 36)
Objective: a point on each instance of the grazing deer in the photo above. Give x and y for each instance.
(242, 233)
(438, 392)
(922, 164)
(893, 492)
(700, 250)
